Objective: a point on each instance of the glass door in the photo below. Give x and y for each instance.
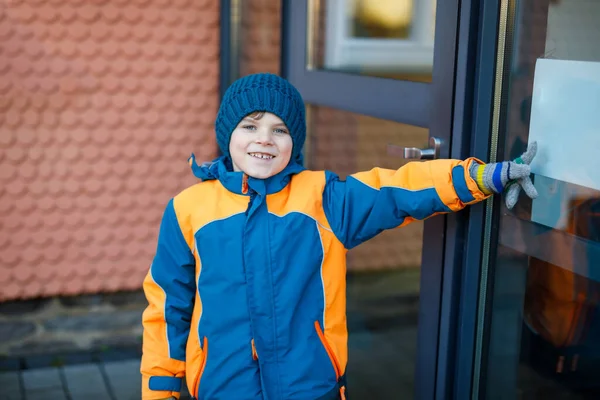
(539, 319)
(373, 74)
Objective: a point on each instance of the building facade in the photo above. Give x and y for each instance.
(101, 103)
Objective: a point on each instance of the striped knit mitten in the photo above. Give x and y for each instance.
(495, 177)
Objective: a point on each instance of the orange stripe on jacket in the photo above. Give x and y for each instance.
(220, 204)
(333, 273)
(194, 352)
(156, 360)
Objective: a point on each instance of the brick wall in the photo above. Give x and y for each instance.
(101, 103)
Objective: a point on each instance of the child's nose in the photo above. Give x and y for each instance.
(264, 137)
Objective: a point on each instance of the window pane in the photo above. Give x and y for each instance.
(383, 274)
(544, 338)
(387, 38)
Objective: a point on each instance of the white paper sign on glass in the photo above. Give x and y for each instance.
(565, 121)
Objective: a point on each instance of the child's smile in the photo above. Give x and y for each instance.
(262, 156)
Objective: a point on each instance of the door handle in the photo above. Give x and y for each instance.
(414, 153)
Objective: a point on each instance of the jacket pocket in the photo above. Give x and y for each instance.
(198, 376)
(330, 353)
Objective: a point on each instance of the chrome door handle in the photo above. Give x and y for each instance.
(414, 153)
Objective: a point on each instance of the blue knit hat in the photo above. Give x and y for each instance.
(262, 92)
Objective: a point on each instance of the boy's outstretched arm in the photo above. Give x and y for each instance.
(170, 289)
(369, 202)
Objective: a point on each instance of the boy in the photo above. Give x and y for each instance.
(247, 289)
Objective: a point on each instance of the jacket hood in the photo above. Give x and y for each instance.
(221, 169)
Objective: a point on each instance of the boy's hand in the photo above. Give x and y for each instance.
(523, 181)
(514, 175)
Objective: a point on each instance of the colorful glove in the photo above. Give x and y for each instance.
(495, 177)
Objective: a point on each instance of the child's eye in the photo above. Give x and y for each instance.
(281, 131)
(249, 127)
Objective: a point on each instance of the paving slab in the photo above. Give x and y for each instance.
(41, 379)
(124, 379)
(10, 386)
(85, 382)
(54, 394)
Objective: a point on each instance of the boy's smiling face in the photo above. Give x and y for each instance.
(260, 145)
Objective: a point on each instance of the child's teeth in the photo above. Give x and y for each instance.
(263, 156)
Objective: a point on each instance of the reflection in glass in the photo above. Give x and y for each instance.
(387, 38)
(544, 329)
(382, 18)
(383, 273)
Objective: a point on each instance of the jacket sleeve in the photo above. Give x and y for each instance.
(170, 290)
(367, 203)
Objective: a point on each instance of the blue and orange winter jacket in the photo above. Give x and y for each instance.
(247, 291)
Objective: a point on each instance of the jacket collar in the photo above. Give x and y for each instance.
(221, 170)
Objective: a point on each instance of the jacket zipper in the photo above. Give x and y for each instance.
(245, 190)
(252, 196)
(202, 366)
